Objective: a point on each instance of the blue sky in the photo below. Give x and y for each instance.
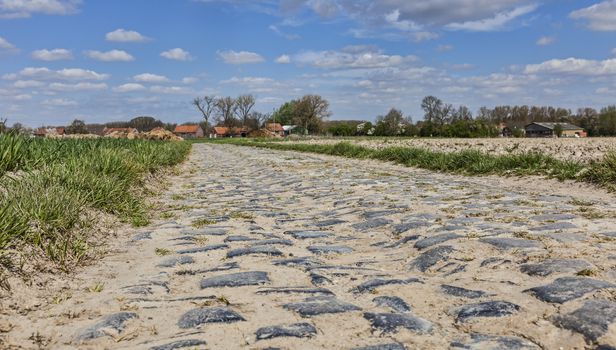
(117, 59)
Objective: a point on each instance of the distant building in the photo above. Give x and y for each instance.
(43, 132)
(288, 129)
(541, 129)
(189, 131)
(275, 128)
(504, 130)
(223, 131)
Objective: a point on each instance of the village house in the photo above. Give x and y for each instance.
(189, 131)
(43, 132)
(545, 129)
(223, 131)
(275, 128)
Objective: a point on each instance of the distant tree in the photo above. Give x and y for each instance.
(342, 129)
(256, 120)
(207, 106)
(17, 128)
(244, 104)
(225, 108)
(77, 127)
(558, 130)
(3, 127)
(144, 123)
(607, 121)
(310, 111)
(285, 114)
(432, 108)
(462, 113)
(391, 124)
(368, 129)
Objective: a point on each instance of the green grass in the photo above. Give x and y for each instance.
(52, 189)
(467, 162)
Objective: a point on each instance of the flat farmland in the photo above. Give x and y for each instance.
(582, 150)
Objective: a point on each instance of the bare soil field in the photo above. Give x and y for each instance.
(582, 150)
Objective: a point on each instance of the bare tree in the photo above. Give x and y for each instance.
(244, 104)
(225, 107)
(432, 107)
(258, 119)
(206, 105)
(310, 111)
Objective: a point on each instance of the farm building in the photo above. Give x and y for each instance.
(43, 132)
(541, 129)
(189, 131)
(275, 128)
(223, 131)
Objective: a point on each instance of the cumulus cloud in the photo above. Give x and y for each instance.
(545, 40)
(150, 78)
(125, 36)
(279, 32)
(423, 36)
(130, 87)
(283, 59)
(60, 102)
(576, 66)
(25, 8)
(189, 80)
(351, 57)
(600, 17)
(52, 55)
(78, 86)
(498, 22)
(6, 45)
(180, 90)
(240, 57)
(110, 56)
(27, 84)
(177, 54)
(44, 73)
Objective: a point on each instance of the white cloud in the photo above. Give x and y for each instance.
(424, 36)
(130, 87)
(77, 87)
(52, 55)
(189, 80)
(444, 48)
(393, 19)
(248, 81)
(241, 57)
(279, 32)
(545, 40)
(576, 66)
(44, 73)
(110, 56)
(170, 90)
(614, 51)
(25, 8)
(6, 45)
(125, 36)
(150, 78)
(351, 57)
(283, 59)
(26, 84)
(600, 17)
(60, 102)
(177, 54)
(497, 22)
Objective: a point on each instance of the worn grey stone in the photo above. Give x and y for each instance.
(434, 240)
(462, 292)
(389, 323)
(299, 234)
(371, 285)
(176, 260)
(258, 249)
(296, 290)
(114, 322)
(372, 224)
(557, 226)
(552, 217)
(432, 257)
(591, 320)
(317, 279)
(313, 307)
(329, 249)
(505, 243)
(486, 309)
(239, 239)
(494, 342)
(494, 262)
(568, 288)
(297, 330)
(327, 223)
(273, 241)
(251, 278)
(402, 241)
(180, 344)
(197, 317)
(203, 249)
(406, 226)
(548, 267)
(142, 236)
(305, 262)
(388, 346)
(394, 303)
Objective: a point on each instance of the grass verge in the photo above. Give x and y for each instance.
(53, 190)
(467, 162)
